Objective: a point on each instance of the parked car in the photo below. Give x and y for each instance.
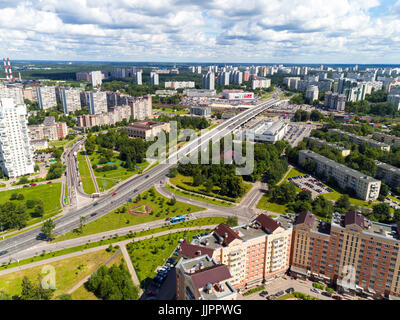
(315, 290)
(289, 290)
(114, 194)
(279, 293)
(337, 297)
(263, 293)
(33, 184)
(49, 182)
(326, 294)
(26, 186)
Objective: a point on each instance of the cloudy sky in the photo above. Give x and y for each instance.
(297, 31)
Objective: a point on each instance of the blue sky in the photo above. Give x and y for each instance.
(280, 31)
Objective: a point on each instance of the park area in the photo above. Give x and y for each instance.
(108, 179)
(161, 208)
(84, 171)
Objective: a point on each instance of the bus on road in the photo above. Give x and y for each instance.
(177, 219)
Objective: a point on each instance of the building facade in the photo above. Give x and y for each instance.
(200, 111)
(360, 139)
(70, 99)
(97, 102)
(146, 129)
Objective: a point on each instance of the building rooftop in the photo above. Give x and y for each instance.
(332, 145)
(361, 138)
(354, 173)
(315, 224)
(146, 124)
(387, 167)
(191, 250)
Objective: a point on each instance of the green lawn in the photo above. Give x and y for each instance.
(198, 197)
(148, 254)
(50, 195)
(117, 219)
(87, 182)
(108, 179)
(68, 272)
(170, 110)
(187, 183)
(264, 204)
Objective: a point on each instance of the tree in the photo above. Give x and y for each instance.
(284, 193)
(47, 229)
(14, 196)
(173, 172)
(30, 291)
(304, 195)
(20, 197)
(343, 202)
(381, 212)
(208, 184)
(172, 202)
(232, 221)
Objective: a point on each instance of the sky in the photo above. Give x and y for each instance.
(259, 31)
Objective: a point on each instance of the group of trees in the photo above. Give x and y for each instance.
(186, 122)
(112, 283)
(55, 171)
(302, 115)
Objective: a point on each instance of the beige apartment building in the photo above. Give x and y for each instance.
(146, 129)
(51, 132)
(344, 151)
(70, 99)
(350, 247)
(359, 139)
(386, 138)
(366, 187)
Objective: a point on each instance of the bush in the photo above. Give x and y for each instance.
(251, 291)
(318, 285)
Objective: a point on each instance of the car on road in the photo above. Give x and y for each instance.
(289, 290)
(26, 186)
(49, 182)
(337, 297)
(33, 184)
(279, 293)
(146, 176)
(315, 290)
(326, 294)
(263, 293)
(114, 194)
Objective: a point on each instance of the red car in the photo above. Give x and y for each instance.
(304, 189)
(114, 194)
(34, 184)
(50, 182)
(337, 297)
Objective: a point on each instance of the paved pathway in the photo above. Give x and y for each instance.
(91, 171)
(131, 269)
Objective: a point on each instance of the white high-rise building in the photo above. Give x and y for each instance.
(96, 78)
(223, 78)
(46, 97)
(15, 149)
(260, 83)
(70, 99)
(97, 102)
(138, 77)
(12, 92)
(312, 93)
(208, 81)
(154, 79)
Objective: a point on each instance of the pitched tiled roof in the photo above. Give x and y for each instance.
(227, 233)
(267, 223)
(191, 251)
(213, 275)
(352, 217)
(305, 217)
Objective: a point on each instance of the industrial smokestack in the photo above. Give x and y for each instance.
(9, 69)
(5, 68)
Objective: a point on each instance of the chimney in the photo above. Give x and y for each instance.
(226, 235)
(198, 253)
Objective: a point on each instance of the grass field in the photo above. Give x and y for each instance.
(50, 194)
(187, 182)
(117, 219)
(148, 254)
(198, 197)
(170, 110)
(87, 182)
(264, 204)
(108, 179)
(68, 272)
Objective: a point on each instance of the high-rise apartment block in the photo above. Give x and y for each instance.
(312, 93)
(97, 102)
(335, 101)
(291, 82)
(138, 77)
(46, 97)
(15, 149)
(96, 78)
(82, 76)
(154, 79)
(12, 92)
(70, 99)
(260, 83)
(179, 84)
(208, 81)
(223, 78)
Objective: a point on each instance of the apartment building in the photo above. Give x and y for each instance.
(30, 94)
(351, 246)
(116, 99)
(179, 84)
(366, 187)
(335, 101)
(200, 111)
(95, 78)
(15, 149)
(208, 81)
(386, 138)
(254, 253)
(360, 139)
(46, 97)
(138, 77)
(12, 92)
(388, 173)
(260, 83)
(147, 129)
(312, 93)
(70, 99)
(202, 278)
(223, 78)
(291, 82)
(344, 151)
(54, 131)
(82, 76)
(141, 107)
(97, 102)
(154, 80)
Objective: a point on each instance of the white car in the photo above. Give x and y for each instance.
(315, 290)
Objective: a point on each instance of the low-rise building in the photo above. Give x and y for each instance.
(233, 94)
(267, 131)
(39, 144)
(193, 93)
(360, 139)
(179, 84)
(48, 131)
(200, 111)
(366, 187)
(344, 151)
(146, 129)
(386, 138)
(388, 173)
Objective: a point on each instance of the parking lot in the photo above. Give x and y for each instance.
(281, 285)
(311, 184)
(296, 133)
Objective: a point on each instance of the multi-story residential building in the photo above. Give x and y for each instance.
(366, 187)
(312, 93)
(12, 92)
(179, 84)
(96, 78)
(166, 93)
(49, 130)
(246, 75)
(360, 139)
(351, 247)
(119, 73)
(154, 81)
(388, 173)
(223, 78)
(260, 83)
(147, 129)
(141, 107)
(82, 76)
(202, 278)
(30, 94)
(200, 111)
(116, 99)
(344, 151)
(236, 76)
(291, 82)
(138, 77)
(46, 97)
(335, 101)
(70, 99)
(15, 149)
(386, 138)
(255, 252)
(208, 81)
(97, 102)
(395, 99)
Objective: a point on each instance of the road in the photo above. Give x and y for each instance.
(130, 189)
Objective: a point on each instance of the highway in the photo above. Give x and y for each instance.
(130, 189)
